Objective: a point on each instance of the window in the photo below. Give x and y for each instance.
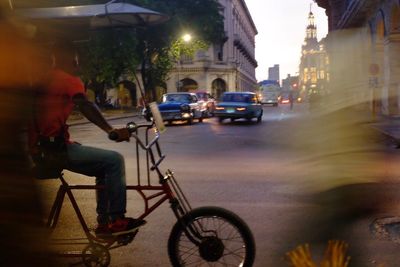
(321, 74)
(219, 52)
(313, 75)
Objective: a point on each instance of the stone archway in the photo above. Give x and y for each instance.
(218, 87)
(127, 94)
(187, 85)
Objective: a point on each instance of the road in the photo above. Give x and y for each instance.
(264, 172)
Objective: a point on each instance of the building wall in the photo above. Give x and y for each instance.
(230, 67)
(368, 43)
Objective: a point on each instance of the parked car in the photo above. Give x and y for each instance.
(181, 107)
(237, 105)
(208, 101)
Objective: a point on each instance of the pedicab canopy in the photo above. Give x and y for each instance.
(78, 19)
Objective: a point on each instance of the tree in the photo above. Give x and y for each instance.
(160, 46)
(152, 49)
(109, 54)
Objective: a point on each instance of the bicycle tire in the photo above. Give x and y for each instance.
(216, 248)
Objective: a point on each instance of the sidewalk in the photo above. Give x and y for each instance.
(388, 126)
(78, 119)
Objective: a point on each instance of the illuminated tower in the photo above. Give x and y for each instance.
(313, 63)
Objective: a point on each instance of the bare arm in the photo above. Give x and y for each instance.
(91, 112)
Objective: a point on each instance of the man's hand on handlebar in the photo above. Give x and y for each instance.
(119, 135)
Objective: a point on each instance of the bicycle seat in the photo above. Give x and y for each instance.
(44, 173)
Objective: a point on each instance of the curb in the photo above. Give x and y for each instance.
(107, 117)
(388, 135)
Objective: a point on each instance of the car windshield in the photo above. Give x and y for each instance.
(177, 98)
(247, 98)
(202, 96)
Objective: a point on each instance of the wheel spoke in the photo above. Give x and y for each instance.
(225, 240)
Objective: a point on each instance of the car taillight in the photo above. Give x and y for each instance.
(219, 108)
(240, 109)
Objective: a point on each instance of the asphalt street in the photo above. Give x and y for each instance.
(274, 175)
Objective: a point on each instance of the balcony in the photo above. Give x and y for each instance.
(356, 13)
(243, 49)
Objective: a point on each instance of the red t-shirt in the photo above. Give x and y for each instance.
(53, 105)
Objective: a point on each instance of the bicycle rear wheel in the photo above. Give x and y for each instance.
(211, 236)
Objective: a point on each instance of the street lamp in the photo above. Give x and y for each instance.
(186, 38)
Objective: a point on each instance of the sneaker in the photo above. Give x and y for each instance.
(125, 225)
(102, 230)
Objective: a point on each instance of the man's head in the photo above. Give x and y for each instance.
(64, 56)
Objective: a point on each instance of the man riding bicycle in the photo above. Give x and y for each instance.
(54, 102)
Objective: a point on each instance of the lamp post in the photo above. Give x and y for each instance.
(186, 38)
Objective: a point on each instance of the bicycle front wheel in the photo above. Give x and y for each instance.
(211, 236)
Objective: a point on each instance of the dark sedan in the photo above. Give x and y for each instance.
(238, 105)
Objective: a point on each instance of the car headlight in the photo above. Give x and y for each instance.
(185, 108)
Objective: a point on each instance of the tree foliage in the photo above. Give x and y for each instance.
(108, 55)
(152, 49)
(200, 18)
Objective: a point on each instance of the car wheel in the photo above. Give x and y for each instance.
(233, 119)
(220, 119)
(190, 121)
(201, 119)
(259, 118)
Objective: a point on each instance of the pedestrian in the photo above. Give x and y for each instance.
(24, 238)
(49, 132)
(291, 99)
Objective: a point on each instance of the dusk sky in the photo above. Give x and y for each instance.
(281, 29)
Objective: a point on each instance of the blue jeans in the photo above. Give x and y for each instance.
(109, 169)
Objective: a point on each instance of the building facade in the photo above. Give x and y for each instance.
(290, 83)
(273, 73)
(364, 48)
(314, 62)
(229, 66)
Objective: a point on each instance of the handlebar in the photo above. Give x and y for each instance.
(113, 136)
(132, 128)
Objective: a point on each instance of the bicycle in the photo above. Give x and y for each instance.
(201, 236)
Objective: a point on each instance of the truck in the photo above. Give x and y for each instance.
(270, 92)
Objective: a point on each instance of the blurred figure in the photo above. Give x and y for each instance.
(51, 146)
(23, 239)
(291, 99)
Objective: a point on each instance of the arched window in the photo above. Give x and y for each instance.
(218, 87)
(187, 85)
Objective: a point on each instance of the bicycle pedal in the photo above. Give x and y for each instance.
(125, 239)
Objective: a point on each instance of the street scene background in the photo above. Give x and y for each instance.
(262, 172)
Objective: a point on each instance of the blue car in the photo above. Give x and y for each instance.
(181, 107)
(239, 105)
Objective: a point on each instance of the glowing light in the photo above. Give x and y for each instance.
(186, 115)
(186, 37)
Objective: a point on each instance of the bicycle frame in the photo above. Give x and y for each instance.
(167, 189)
